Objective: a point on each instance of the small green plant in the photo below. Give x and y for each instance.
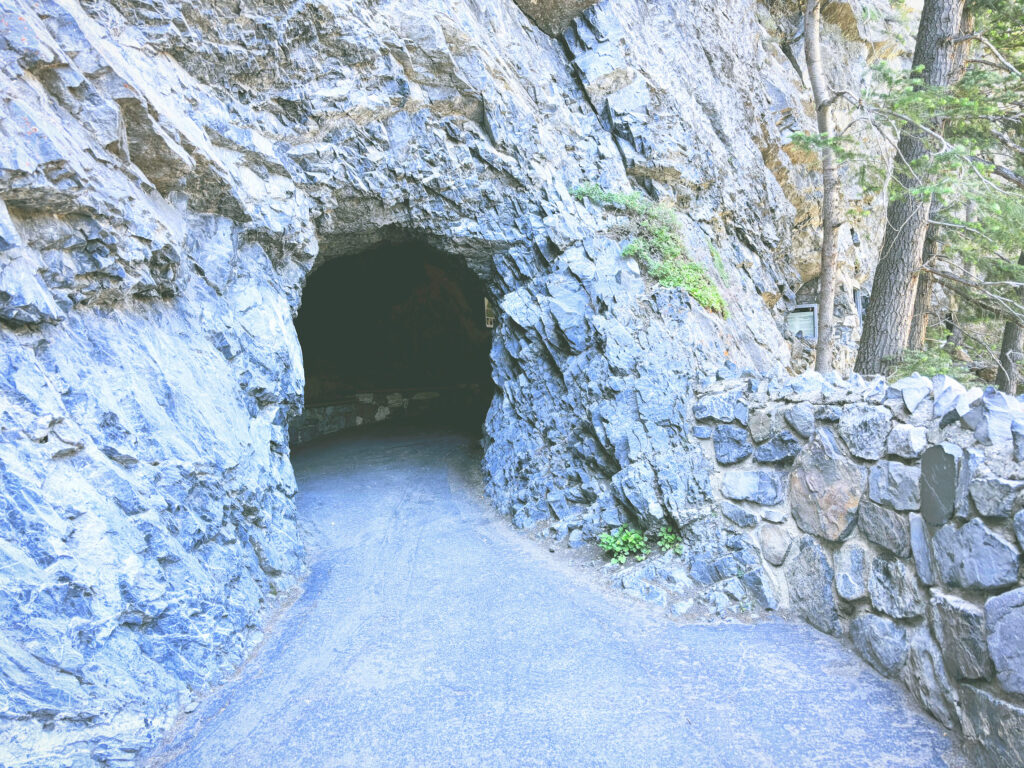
(669, 540)
(716, 259)
(655, 243)
(623, 543)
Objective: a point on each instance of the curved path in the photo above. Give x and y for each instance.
(432, 634)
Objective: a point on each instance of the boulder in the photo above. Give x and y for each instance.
(758, 486)
(884, 527)
(894, 590)
(825, 488)
(907, 441)
(810, 579)
(1004, 617)
(895, 484)
(732, 444)
(973, 557)
(851, 572)
(959, 627)
(881, 642)
(775, 542)
(940, 469)
(864, 429)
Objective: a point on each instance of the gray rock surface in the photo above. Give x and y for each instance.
(907, 441)
(960, 630)
(940, 471)
(880, 641)
(775, 543)
(996, 496)
(759, 486)
(851, 572)
(1004, 618)
(895, 484)
(810, 579)
(732, 444)
(995, 726)
(825, 488)
(974, 557)
(925, 676)
(886, 528)
(894, 590)
(921, 549)
(864, 429)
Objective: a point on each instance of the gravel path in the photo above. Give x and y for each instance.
(430, 633)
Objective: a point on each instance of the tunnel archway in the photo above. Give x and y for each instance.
(399, 331)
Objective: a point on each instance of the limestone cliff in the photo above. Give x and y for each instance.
(170, 172)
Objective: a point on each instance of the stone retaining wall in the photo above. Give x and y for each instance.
(891, 515)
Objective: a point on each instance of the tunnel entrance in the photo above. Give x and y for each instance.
(397, 332)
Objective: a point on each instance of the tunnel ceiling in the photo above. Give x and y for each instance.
(400, 316)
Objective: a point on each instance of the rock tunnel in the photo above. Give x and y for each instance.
(397, 332)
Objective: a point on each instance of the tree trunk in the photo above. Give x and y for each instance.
(829, 188)
(923, 297)
(1010, 352)
(887, 324)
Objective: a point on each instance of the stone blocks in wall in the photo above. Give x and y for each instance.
(810, 579)
(885, 527)
(940, 471)
(896, 485)
(974, 557)
(959, 627)
(1004, 617)
(757, 486)
(865, 429)
(880, 641)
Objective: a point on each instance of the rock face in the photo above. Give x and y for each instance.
(173, 172)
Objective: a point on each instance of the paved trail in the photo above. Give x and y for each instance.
(431, 634)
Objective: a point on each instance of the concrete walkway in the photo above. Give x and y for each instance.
(430, 633)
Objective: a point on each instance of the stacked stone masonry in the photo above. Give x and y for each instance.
(891, 515)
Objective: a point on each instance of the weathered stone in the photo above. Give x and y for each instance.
(721, 406)
(995, 726)
(940, 469)
(801, 418)
(764, 423)
(825, 488)
(1004, 617)
(894, 589)
(992, 417)
(996, 497)
(973, 557)
(864, 429)
(913, 390)
(921, 550)
(895, 484)
(881, 642)
(907, 441)
(829, 414)
(758, 486)
(775, 542)
(947, 391)
(738, 515)
(702, 432)
(886, 528)
(1018, 528)
(810, 579)
(925, 675)
(1017, 430)
(851, 572)
(553, 16)
(782, 447)
(732, 444)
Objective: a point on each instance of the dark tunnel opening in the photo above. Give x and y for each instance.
(397, 332)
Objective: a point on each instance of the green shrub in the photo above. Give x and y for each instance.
(655, 243)
(624, 543)
(669, 540)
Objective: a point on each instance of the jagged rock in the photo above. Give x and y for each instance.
(553, 16)
(925, 675)
(947, 391)
(851, 572)
(959, 627)
(738, 515)
(973, 557)
(732, 444)
(886, 528)
(1018, 528)
(991, 418)
(907, 441)
(775, 542)
(895, 484)
(864, 429)
(759, 486)
(880, 641)
(996, 497)
(994, 725)
(1017, 431)
(825, 488)
(921, 550)
(894, 590)
(801, 418)
(723, 407)
(1004, 618)
(780, 448)
(913, 389)
(940, 470)
(764, 424)
(810, 579)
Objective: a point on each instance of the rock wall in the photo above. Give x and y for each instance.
(892, 515)
(170, 172)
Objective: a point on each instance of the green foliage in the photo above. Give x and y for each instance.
(669, 540)
(929, 362)
(655, 243)
(623, 543)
